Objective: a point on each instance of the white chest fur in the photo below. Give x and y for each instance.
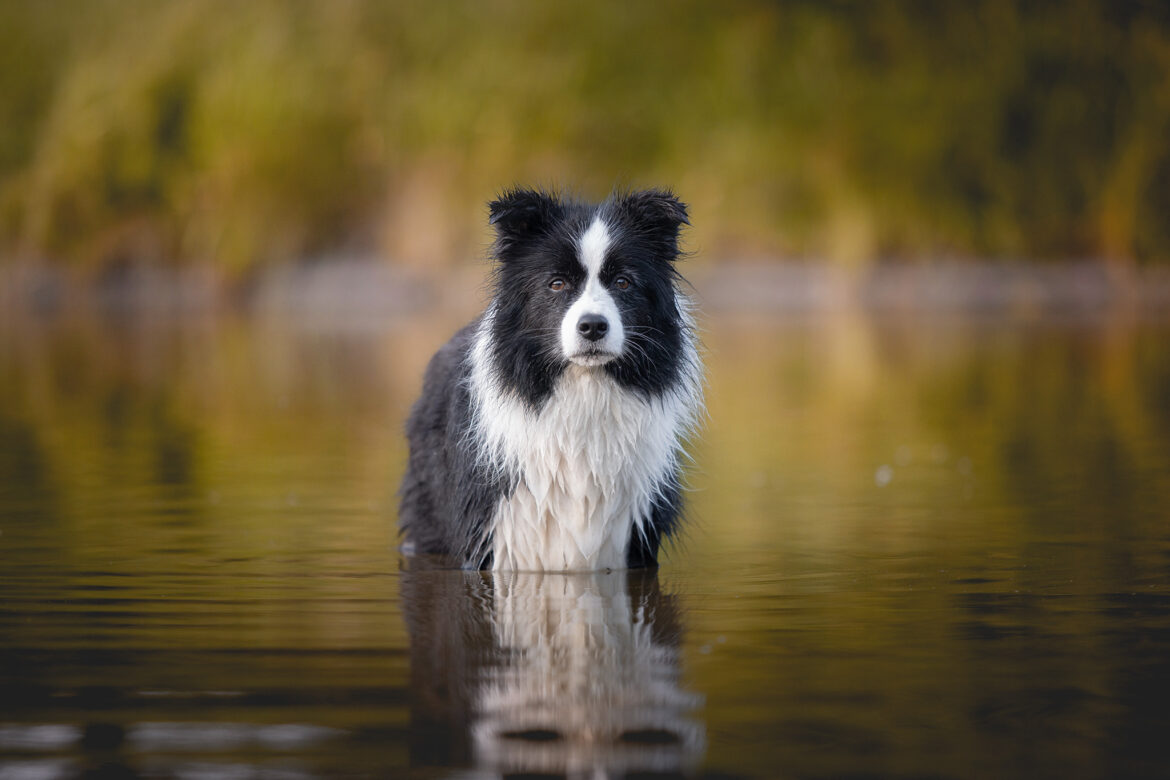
(587, 466)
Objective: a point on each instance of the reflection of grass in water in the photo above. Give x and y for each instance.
(246, 134)
(989, 431)
(994, 432)
(250, 462)
(1030, 468)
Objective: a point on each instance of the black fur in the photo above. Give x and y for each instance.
(537, 239)
(447, 497)
(661, 524)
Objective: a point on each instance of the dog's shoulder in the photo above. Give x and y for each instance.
(448, 363)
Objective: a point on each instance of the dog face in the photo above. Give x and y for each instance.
(591, 330)
(587, 285)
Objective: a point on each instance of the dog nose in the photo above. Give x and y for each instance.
(592, 327)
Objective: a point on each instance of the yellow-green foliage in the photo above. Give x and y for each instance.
(247, 133)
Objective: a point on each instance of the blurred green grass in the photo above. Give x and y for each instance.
(242, 135)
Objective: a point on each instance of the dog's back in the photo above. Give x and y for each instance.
(444, 497)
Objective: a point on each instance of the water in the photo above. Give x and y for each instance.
(918, 548)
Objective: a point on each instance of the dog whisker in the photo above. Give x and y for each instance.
(532, 446)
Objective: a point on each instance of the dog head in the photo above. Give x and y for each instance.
(591, 285)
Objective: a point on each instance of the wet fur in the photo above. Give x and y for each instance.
(527, 456)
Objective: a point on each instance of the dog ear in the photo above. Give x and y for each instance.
(521, 213)
(659, 214)
(658, 208)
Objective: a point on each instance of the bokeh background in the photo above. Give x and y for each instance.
(237, 136)
(927, 513)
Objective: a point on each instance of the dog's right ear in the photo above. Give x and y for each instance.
(521, 213)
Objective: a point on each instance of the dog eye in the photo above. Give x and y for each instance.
(556, 285)
(622, 283)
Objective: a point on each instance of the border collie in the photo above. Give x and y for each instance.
(549, 432)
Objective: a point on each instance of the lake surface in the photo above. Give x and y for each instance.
(918, 547)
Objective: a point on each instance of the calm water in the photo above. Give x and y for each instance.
(931, 548)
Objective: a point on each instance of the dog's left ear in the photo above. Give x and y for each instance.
(659, 213)
(658, 207)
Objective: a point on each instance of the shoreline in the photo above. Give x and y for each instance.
(372, 290)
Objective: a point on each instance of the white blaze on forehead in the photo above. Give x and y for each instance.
(594, 298)
(593, 246)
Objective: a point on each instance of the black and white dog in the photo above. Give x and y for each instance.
(549, 432)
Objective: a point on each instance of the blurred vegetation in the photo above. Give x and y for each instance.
(245, 134)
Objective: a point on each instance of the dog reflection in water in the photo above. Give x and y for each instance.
(573, 674)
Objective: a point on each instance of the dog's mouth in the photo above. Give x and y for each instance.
(592, 357)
